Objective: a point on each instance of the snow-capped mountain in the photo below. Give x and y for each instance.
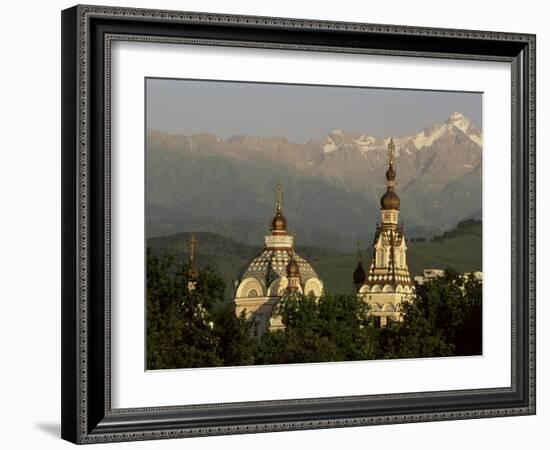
(364, 143)
(438, 172)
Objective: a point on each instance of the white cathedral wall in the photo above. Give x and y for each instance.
(382, 301)
(261, 307)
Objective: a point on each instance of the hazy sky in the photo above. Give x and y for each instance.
(298, 112)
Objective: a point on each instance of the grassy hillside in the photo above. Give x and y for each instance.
(227, 255)
(197, 192)
(459, 248)
(188, 191)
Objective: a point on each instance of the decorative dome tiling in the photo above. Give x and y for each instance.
(272, 264)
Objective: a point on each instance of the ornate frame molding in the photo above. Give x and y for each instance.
(88, 32)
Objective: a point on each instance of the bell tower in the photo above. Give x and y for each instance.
(387, 283)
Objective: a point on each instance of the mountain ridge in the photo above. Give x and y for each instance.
(223, 180)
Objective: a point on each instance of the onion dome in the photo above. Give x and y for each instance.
(292, 269)
(278, 263)
(271, 264)
(279, 222)
(359, 274)
(390, 200)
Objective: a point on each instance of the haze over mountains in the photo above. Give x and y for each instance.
(332, 185)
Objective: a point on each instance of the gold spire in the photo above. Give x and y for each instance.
(192, 242)
(390, 173)
(192, 272)
(292, 268)
(391, 152)
(390, 199)
(279, 196)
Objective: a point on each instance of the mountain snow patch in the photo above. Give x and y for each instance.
(423, 140)
(330, 146)
(366, 143)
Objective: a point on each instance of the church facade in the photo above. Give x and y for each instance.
(276, 271)
(387, 282)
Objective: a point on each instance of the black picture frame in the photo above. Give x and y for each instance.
(87, 416)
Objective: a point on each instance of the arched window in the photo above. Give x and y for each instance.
(247, 286)
(313, 286)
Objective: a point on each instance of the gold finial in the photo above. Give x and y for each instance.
(391, 151)
(359, 245)
(192, 242)
(279, 196)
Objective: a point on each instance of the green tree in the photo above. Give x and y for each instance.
(444, 319)
(330, 328)
(191, 328)
(198, 327)
(236, 346)
(345, 320)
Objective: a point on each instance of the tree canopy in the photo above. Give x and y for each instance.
(191, 328)
(331, 328)
(199, 328)
(444, 319)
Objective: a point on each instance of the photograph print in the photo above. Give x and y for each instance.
(291, 223)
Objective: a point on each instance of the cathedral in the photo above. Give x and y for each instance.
(387, 282)
(276, 271)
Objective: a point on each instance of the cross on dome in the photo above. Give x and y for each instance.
(192, 242)
(279, 196)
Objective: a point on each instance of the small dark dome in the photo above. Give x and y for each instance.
(390, 200)
(292, 269)
(279, 222)
(359, 274)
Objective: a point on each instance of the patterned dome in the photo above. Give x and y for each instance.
(272, 264)
(390, 200)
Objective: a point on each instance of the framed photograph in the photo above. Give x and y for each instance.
(280, 224)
